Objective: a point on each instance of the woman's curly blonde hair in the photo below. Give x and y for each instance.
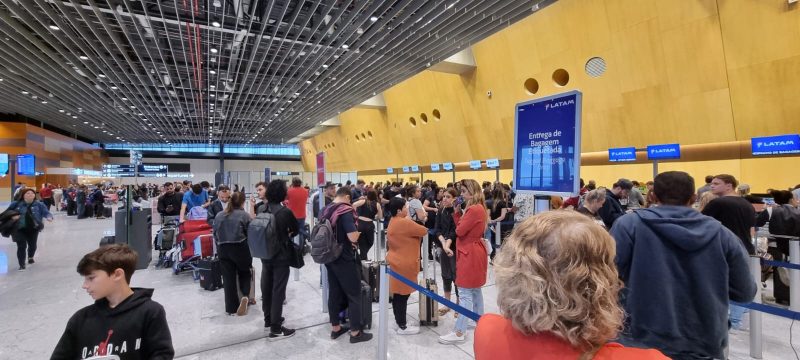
(556, 273)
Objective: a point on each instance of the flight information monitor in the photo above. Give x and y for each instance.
(26, 165)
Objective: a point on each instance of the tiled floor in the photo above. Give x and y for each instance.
(35, 306)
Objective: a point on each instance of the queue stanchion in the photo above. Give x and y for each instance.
(794, 275)
(497, 233)
(425, 254)
(323, 277)
(296, 272)
(383, 312)
(756, 340)
(376, 240)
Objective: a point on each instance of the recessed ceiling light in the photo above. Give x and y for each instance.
(124, 99)
(44, 102)
(216, 24)
(113, 88)
(213, 51)
(25, 93)
(324, 66)
(212, 72)
(101, 75)
(84, 57)
(85, 122)
(373, 18)
(308, 81)
(61, 110)
(345, 46)
(54, 28)
(212, 86)
(212, 95)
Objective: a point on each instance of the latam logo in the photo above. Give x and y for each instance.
(558, 104)
(775, 143)
(665, 151)
(622, 153)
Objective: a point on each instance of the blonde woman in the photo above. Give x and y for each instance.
(705, 199)
(471, 258)
(558, 294)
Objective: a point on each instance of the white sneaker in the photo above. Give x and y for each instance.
(452, 339)
(409, 330)
(471, 324)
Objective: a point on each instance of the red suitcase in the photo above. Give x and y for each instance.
(190, 226)
(186, 241)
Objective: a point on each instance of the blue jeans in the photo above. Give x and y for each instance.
(736, 314)
(301, 225)
(470, 299)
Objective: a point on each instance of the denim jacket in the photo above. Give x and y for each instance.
(38, 210)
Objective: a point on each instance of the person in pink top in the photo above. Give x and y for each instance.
(296, 200)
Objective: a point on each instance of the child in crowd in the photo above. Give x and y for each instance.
(123, 321)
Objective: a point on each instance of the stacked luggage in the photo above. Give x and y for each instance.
(165, 242)
(193, 242)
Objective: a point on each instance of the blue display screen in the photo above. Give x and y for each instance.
(622, 154)
(493, 163)
(475, 164)
(415, 168)
(434, 167)
(547, 145)
(405, 168)
(389, 171)
(26, 165)
(3, 164)
(664, 151)
(447, 166)
(776, 145)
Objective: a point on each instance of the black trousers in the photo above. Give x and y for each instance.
(274, 278)
(344, 291)
(399, 307)
(98, 209)
(71, 207)
(235, 261)
(366, 239)
(26, 241)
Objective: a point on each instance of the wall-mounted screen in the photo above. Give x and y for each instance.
(434, 167)
(776, 145)
(414, 168)
(622, 154)
(3, 164)
(389, 171)
(664, 151)
(26, 165)
(475, 164)
(405, 169)
(447, 166)
(493, 163)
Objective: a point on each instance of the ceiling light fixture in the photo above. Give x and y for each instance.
(308, 81)
(61, 110)
(101, 75)
(213, 51)
(54, 28)
(373, 18)
(83, 57)
(25, 93)
(345, 46)
(216, 24)
(212, 72)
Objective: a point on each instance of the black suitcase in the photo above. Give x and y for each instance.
(366, 305)
(107, 211)
(88, 212)
(369, 273)
(107, 240)
(210, 273)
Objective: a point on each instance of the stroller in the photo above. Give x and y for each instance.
(192, 243)
(165, 241)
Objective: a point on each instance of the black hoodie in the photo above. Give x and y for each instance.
(135, 329)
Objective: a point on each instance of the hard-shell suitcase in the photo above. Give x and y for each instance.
(428, 308)
(107, 211)
(369, 273)
(210, 273)
(366, 304)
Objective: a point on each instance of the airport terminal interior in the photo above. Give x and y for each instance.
(186, 132)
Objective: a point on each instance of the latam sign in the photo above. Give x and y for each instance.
(622, 154)
(664, 151)
(776, 145)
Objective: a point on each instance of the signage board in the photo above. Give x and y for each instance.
(321, 169)
(414, 168)
(776, 145)
(26, 165)
(663, 151)
(405, 169)
(493, 163)
(389, 170)
(475, 164)
(153, 170)
(267, 175)
(3, 164)
(118, 170)
(447, 166)
(434, 167)
(547, 140)
(622, 154)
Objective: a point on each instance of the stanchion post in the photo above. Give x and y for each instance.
(323, 275)
(383, 312)
(794, 275)
(425, 256)
(296, 272)
(497, 233)
(756, 341)
(377, 242)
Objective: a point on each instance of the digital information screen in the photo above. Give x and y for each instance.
(405, 169)
(414, 168)
(3, 164)
(475, 164)
(434, 167)
(663, 152)
(153, 170)
(622, 154)
(389, 171)
(118, 170)
(26, 165)
(447, 166)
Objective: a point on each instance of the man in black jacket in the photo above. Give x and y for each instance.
(218, 205)
(612, 209)
(169, 204)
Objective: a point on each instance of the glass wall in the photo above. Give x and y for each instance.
(204, 148)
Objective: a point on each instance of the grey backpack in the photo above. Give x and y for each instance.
(261, 235)
(325, 248)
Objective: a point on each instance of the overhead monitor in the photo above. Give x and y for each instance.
(118, 170)
(3, 164)
(493, 163)
(389, 171)
(434, 167)
(26, 165)
(447, 166)
(622, 154)
(663, 151)
(475, 164)
(405, 169)
(153, 170)
(776, 145)
(414, 168)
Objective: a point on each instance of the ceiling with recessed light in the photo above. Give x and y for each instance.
(230, 71)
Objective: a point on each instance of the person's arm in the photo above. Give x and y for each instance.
(211, 214)
(741, 285)
(607, 214)
(624, 241)
(66, 348)
(160, 205)
(762, 218)
(290, 219)
(158, 340)
(427, 207)
(418, 230)
(47, 214)
(503, 213)
(421, 214)
(183, 212)
(359, 203)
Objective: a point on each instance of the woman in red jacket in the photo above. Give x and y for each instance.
(471, 258)
(558, 293)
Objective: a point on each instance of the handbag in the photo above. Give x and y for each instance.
(295, 256)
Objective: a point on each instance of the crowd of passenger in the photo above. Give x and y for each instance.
(581, 281)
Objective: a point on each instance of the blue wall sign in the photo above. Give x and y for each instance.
(434, 167)
(664, 151)
(622, 154)
(475, 164)
(493, 163)
(389, 171)
(3, 164)
(267, 175)
(447, 166)
(547, 145)
(26, 165)
(776, 145)
(414, 168)
(405, 168)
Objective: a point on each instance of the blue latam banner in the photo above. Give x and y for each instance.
(663, 151)
(389, 170)
(547, 145)
(475, 164)
(414, 168)
(434, 167)
(622, 154)
(493, 163)
(776, 145)
(447, 166)
(405, 169)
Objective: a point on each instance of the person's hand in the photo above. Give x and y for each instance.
(15, 217)
(448, 252)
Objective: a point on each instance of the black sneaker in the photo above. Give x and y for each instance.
(336, 334)
(30, 260)
(21, 268)
(284, 333)
(361, 337)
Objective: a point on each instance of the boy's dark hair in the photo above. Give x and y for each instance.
(197, 189)
(674, 188)
(623, 184)
(223, 188)
(342, 191)
(110, 258)
(276, 191)
(205, 184)
(395, 205)
(260, 183)
(296, 182)
(781, 197)
(709, 179)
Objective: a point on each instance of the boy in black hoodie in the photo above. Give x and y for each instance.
(122, 321)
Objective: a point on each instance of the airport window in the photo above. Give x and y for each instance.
(267, 149)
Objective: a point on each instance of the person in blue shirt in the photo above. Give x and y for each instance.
(29, 223)
(197, 196)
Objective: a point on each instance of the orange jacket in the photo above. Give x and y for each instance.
(404, 237)
(497, 339)
(471, 256)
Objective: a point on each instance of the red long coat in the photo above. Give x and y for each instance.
(471, 258)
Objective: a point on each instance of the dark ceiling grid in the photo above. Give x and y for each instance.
(265, 83)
